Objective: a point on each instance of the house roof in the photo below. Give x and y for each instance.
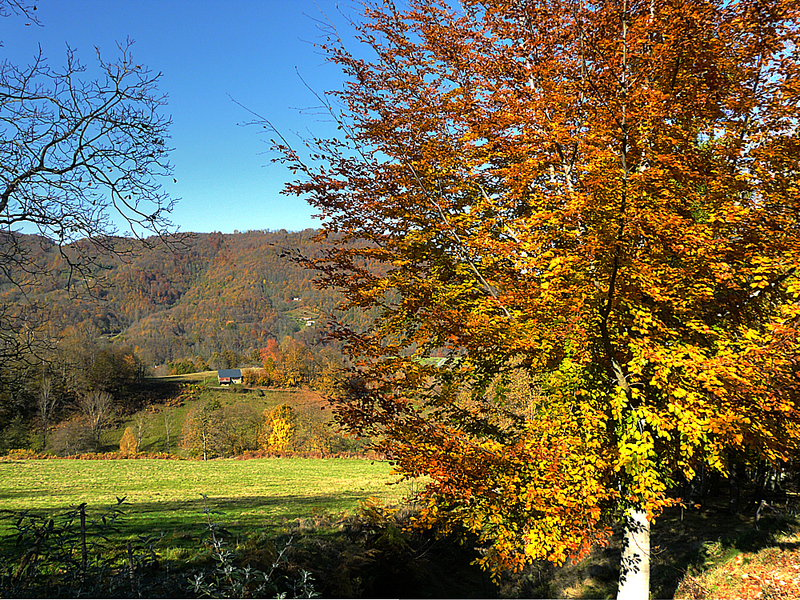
(229, 373)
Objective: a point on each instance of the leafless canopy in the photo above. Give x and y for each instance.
(82, 151)
(75, 151)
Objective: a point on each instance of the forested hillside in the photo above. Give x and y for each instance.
(212, 297)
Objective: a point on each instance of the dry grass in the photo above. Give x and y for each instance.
(769, 573)
(696, 553)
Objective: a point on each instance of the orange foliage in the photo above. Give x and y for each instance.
(127, 445)
(598, 197)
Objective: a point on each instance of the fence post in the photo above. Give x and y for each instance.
(84, 554)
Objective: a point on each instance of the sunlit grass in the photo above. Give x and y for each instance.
(165, 495)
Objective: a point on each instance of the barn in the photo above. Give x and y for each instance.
(229, 376)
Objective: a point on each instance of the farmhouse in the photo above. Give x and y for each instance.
(229, 376)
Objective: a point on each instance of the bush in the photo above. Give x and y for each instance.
(279, 430)
(127, 445)
(228, 579)
(68, 555)
(377, 553)
(70, 438)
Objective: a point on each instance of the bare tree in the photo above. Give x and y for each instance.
(75, 151)
(97, 407)
(19, 336)
(141, 424)
(79, 154)
(168, 429)
(46, 404)
(204, 430)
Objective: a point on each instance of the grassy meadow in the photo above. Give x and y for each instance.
(699, 553)
(257, 495)
(166, 495)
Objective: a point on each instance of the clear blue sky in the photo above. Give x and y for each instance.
(207, 50)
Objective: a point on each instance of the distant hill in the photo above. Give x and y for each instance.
(215, 293)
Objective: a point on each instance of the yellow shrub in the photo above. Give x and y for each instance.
(127, 445)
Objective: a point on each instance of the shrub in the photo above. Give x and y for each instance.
(227, 579)
(127, 445)
(279, 428)
(70, 555)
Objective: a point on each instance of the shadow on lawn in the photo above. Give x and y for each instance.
(9, 494)
(352, 557)
(184, 521)
(366, 554)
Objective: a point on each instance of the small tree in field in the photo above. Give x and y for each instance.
(280, 427)
(127, 445)
(599, 199)
(203, 433)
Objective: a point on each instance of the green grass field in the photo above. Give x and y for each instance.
(263, 495)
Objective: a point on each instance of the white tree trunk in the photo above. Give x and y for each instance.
(634, 573)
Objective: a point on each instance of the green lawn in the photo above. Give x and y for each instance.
(254, 495)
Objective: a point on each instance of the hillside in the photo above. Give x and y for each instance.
(210, 295)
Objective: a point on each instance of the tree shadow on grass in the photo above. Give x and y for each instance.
(366, 557)
(184, 522)
(681, 540)
(9, 494)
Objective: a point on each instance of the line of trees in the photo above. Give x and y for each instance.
(63, 401)
(212, 430)
(293, 364)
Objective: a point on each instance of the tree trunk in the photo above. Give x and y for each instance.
(166, 428)
(634, 573)
(735, 479)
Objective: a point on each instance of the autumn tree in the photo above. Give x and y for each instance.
(279, 428)
(128, 446)
(270, 356)
(602, 195)
(114, 369)
(295, 365)
(327, 378)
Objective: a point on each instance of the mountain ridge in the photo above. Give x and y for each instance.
(210, 293)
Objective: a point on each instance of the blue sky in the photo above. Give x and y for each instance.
(248, 49)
